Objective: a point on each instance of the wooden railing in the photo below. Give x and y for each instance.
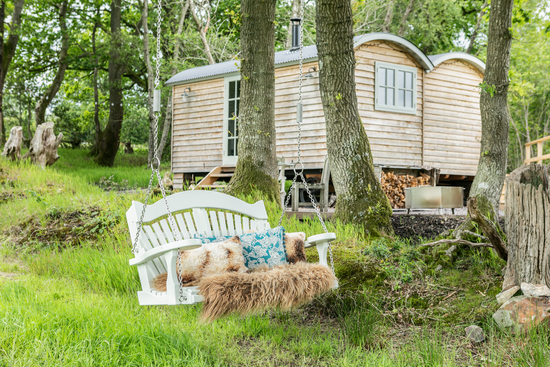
(539, 156)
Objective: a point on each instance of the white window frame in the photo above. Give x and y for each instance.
(228, 160)
(396, 68)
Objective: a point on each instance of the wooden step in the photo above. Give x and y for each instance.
(219, 175)
(227, 169)
(211, 186)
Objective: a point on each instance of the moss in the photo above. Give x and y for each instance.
(249, 178)
(373, 210)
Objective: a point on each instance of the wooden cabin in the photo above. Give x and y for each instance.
(417, 110)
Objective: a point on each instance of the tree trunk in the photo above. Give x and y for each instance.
(257, 163)
(44, 144)
(494, 106)
(360, 196)
(405, 17)
(296, 4)
(95, 149)
(110, 138)
(202, 32)
(389, 16)
(49, 95)
(8, 51)
(478, 24)
(12, 149)
(175, 59)
(528, 225)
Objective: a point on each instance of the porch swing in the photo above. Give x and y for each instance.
(158, 245)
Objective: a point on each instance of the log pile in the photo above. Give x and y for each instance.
(394, 186)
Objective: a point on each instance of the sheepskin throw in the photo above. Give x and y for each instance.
(294, 247)
(284, 287)
(210, 259)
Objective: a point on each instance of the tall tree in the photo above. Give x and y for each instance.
(51, 91)
(110, 137)
(360, 196)
(8, 51)
(257, 164)
(495, 119)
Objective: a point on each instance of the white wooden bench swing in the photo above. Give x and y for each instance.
(157, 244)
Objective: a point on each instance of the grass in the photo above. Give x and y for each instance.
(67, 293)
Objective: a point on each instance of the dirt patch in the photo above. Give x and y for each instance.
(414, 226)
(61, 228)
(426, 226)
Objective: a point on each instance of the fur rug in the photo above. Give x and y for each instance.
(284, 287)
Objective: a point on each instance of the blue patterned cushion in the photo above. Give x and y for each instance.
(259, 248)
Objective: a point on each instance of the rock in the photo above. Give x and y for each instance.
(505, 295)
(522, 313)
(535, 290)
(475, 333)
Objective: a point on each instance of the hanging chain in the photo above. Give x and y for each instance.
(299, 159)
(155, 162)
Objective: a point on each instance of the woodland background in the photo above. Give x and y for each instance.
(78, 41)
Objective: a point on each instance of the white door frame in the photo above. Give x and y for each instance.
(227, 160)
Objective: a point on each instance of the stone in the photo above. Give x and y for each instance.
(535, 290)
(522, 313)
(506, 294)
(475, 334)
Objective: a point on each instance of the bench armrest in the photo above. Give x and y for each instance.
(321, 241)
(158, 251)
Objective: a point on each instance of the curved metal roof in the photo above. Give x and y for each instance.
(411, 48)
(310, 54)
(477, 63)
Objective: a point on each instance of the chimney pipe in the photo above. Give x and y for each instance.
(295, 33)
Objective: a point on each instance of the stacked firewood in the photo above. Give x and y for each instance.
(394, 186)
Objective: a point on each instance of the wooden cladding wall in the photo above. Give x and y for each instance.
(452, 119)
(395, 138)
(197, 129)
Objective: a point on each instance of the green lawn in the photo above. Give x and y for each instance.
(67, 293)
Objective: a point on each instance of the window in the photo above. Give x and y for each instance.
(231, 120)
(395, 88)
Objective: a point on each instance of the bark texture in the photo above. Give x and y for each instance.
(110, 137)
(257, 164)
(360, 196)
(44, 102)
(528, 225)
(12, 149)
(44, 144)
(494, 106)
(8, 51)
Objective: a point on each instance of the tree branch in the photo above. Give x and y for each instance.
(488, 227)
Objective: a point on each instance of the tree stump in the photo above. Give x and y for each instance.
(528, 225)
(12, 149)
(44, 144)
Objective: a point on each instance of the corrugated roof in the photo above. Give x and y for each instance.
(281, 57)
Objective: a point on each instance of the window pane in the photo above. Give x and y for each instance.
(409, 78)
(401, 97)
(401, 79)
(238, 88)
(382, 76)
(389, 96)
(231, 109)
(231, 128)
(236, 127)
(408, 98)
(236, 147)
(381, 95)
(231, 147)
(232, 89)
(390, 79)
(238, 106)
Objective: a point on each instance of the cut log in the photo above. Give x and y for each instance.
(12, 149)
(44, 144)
(528, 225)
